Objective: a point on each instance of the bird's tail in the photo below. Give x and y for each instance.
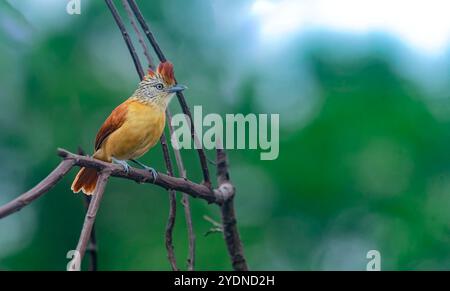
(86, 181)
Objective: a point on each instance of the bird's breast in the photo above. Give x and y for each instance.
(141, 130)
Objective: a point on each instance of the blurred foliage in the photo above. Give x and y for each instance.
(364, 161)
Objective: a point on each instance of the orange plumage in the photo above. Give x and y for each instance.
(134, 126)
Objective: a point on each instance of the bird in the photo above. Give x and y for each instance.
(133, 127)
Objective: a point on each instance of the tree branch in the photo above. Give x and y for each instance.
(43, 187)
(169, 230)
(126, 37)
(92, 246)
(167, 182)
(139, 35)
(230, 231)
(216, 196)
(185, 201)
(172, 207)
(91, 214)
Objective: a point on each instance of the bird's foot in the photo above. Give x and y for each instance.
(150, 169)
(153, 171)
(123, 163)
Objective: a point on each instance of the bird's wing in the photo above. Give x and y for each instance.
(111, 124)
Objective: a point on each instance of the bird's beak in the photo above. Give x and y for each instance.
(176, 88)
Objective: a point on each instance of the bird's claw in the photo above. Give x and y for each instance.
(153, 171)
(150, 169)
(124, 164)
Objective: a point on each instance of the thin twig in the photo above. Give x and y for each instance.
(169, 230)
(43, 187)
(126, 37)
(92, 246)
(91, 213)
(172, 208)
(172, 196)
(139, 35)
(180, 95)
(212, 221)
(185, 201)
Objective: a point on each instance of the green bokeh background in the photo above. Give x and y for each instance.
(364, 140)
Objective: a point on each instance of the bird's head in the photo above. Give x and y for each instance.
(160, 86)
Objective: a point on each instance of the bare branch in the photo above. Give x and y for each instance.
(43, 187)
(126, 37)
(91, 213)
(139, 35)
(142, 176)
(172, 207)
(191, 235)
(169, 230)
(92, 246)
(185, 201)
(230, 231)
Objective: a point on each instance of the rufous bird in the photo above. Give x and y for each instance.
(133, 127)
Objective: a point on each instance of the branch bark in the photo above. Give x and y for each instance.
(230, 230)
(91, 214)
(139, 35)
(126, 37)
(92, 246)
(186, 203)
(172, 207)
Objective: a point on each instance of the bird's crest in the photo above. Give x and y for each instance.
(164, 71)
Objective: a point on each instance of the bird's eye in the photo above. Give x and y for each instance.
(159, 86)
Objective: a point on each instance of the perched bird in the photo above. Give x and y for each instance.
(133, 127)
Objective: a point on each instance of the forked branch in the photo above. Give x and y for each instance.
(70, 160)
